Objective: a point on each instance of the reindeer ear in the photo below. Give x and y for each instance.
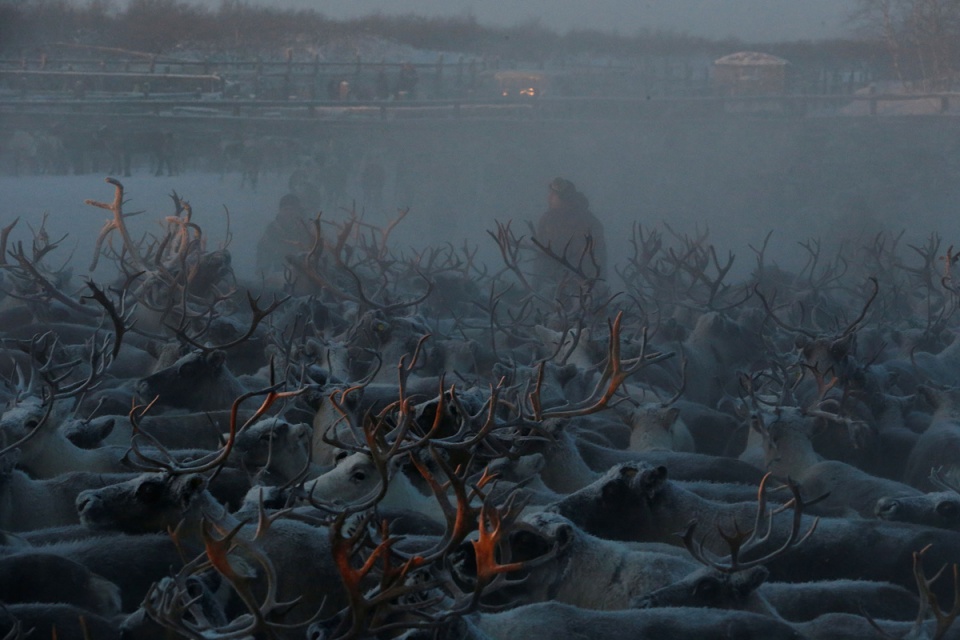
(931, 396)
(751, 579)
(565, 536)
(279, 429)
(567, 373)
(537, 460)
(652, 479)
(88, 434)
(190, 368)
(216, 358)
(615, 492)
(192, 486)
(8, 461)
(527, 545)
(948, 509)
(668, 417)
(841, 347)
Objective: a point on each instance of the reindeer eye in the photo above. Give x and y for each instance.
(358, 476)
(149, 492)
(189, 369)
(947, 510)
(705, 588)
(31, 423)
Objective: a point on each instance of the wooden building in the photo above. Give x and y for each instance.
(750, 73)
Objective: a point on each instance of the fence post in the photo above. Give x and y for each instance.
(286, 74)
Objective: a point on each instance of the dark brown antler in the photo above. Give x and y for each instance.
(4, 236)
(928, 599)
(615, 373)
(576, 269)
(262, 613)
(741, 542)
(120, 317)
(767, 306)
(30, 272)
(118, 224)
(258, 315)
(171, 604)
(214, 460)
(48, 410)
(460, 518)
(510, 247)
(371, 605)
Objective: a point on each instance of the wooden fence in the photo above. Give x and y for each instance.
(188, 106)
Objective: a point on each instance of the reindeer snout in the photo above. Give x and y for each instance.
(886, 508)
(87, 503)
(83, 500)
(646, 602)
(142, 388)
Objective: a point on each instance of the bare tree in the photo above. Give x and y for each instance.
(921, 37)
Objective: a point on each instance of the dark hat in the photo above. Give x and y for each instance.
(290, 201)
(563, 188)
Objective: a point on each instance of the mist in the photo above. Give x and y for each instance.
(736, 179)
(519, 291)
(745, 20)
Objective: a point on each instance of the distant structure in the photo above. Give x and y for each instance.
(750, 73)
(520, 84)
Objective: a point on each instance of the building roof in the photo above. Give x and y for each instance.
(753, 58)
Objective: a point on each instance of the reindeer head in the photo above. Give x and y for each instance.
(149, 503)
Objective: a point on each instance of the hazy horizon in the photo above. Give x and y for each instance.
(748, 20)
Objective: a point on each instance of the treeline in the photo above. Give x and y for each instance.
(237, 28)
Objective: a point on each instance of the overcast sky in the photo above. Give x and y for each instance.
(749, 20)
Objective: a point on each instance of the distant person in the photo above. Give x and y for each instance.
(407, 82)
(372, 179)
(287, 234)
(383, 85)
(565, 228)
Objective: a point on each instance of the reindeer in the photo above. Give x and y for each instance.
(43, 577)
(563, 620)
(637, 502)
(939, 442)
(199, 381)
(64, 621)
(27, 504)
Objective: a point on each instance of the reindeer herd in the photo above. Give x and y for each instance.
(390, 443)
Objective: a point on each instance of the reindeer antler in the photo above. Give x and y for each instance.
(928, 599)
(118, 224)
(740, 542)
(615, 372)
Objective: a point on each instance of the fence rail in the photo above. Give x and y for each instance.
(189, 105)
